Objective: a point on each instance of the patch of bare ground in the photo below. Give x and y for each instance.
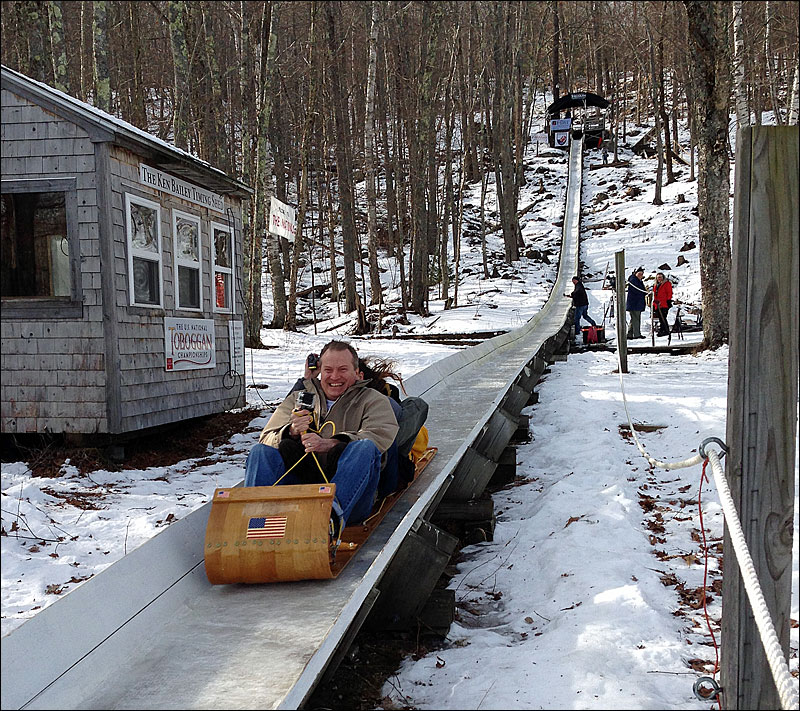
(161, 447)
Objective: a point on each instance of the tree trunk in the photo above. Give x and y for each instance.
(310, 111)
(180, 60)
(102, 82)
(556, 43)
(739, 87)
(656, 114)
(376, 292)
(259, 209)
(710, 76)
(58, 52)
(343, 161)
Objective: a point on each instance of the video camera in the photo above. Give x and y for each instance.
(305, 401)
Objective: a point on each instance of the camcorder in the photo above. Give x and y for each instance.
(313, 361)
(305, 401)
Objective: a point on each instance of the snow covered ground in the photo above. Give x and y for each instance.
(590, 594)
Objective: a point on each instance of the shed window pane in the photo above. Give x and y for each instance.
(34, 249)
(222, 246)
(145, 281)
(144, 223)
(189, 287)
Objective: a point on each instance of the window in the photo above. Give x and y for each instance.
(187, 246)
(144, 251)
(223, 259)
(38, 247)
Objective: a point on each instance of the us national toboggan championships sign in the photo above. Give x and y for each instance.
(189, 343)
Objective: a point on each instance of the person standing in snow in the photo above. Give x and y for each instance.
(581, 302)
(662, 302)
(634, 303)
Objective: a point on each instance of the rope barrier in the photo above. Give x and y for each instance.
(786, 685)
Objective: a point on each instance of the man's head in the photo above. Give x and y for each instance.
(338, 366)
(660, 277)
(575, 280)
(640, 272)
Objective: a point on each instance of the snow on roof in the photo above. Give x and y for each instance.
(116, 125)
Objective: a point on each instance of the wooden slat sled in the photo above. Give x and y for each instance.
(268, 534)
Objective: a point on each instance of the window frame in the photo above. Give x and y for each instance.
(225, 270)
(131, 198)
(178, 262)
(50, 306)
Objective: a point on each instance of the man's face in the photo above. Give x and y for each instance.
(337, 373)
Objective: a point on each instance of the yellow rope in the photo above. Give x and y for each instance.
(319, 466)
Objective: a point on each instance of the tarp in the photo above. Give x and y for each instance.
(581, 98)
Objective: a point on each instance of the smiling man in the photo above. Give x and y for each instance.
(348, 430)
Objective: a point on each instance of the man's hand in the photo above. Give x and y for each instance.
(314, 443)
(301, 420)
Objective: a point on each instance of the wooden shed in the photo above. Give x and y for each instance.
(121, 272)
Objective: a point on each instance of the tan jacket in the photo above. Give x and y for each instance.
(360, 413)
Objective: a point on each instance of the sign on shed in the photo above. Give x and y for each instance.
(282, 219)
(189, 343)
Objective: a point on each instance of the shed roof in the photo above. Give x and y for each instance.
(103, 126)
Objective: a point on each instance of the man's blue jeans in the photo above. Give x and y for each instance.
(580, 312)
(356, 478)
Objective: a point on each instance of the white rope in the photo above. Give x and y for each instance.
(655, 462)
(784, 682)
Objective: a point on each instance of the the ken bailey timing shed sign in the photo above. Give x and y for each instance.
(180, 188)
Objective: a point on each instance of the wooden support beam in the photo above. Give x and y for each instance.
(762, 403)
(522, 433)
(438, 613)
(411, 577)
(471, 475)
(506, 469)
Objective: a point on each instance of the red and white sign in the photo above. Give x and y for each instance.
(189, 343)
(282, 219)
(562, 138)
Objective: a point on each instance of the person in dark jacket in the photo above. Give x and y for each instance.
(581, 302)
(662, 302)
(635, 303)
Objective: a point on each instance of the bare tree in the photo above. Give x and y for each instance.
(710, 77)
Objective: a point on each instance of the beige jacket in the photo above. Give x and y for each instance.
(360, 413)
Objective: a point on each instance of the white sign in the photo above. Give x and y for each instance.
(189, 343)
(282, 219)
(540, 137)
(236, 345)
(155, 178)
(563, 124)
(562, 139)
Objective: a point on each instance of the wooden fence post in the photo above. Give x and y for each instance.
(622, 332)
(762, 403)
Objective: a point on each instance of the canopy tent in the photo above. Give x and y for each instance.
(581, 98)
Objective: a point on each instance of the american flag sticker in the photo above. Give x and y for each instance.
(267, 527)
(223, 494)
(324, 490)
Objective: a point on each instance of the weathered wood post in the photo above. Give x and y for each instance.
(762, 403)
(622, 332)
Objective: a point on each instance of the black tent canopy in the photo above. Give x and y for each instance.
(581, 98)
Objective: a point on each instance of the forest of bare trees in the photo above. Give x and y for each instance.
(371, 116)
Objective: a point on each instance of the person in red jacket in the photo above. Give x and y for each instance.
(662, 302)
